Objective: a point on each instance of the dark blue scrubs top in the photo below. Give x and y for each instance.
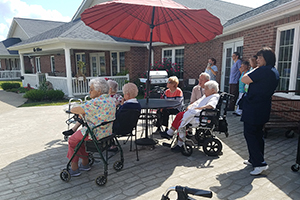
(257, 102)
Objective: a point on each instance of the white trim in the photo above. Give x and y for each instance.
(282, 11)
(295, 57)
(37, 64)
(51, 63)
(173, 52)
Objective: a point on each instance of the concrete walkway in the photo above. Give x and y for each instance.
(33, 152)
(10, 100)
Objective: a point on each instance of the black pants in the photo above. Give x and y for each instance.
(234, 90)
(163, 116)
(254, 136)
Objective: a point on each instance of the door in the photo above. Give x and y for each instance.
(227, 62)
(98, 66)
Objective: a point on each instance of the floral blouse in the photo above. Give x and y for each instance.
(99, 110)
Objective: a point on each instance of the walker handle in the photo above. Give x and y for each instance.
(193, 191)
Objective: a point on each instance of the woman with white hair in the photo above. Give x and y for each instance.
(99, 109)
(208, 101)
(113, 89)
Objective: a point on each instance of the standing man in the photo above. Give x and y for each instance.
(198, 90)
(212, 69)
(234, 80)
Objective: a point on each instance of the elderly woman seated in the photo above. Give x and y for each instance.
(100, 109)
(208, 101)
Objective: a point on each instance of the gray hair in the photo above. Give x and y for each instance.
(206, 75)
(212, 85)
(131, 89)
(113, 85)
(100, 85)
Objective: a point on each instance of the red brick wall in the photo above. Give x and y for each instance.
(292, 108)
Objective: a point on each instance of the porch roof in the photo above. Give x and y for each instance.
(5, 44)
(74, 30)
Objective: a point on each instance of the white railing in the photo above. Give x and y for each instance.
(10, 74)
(58, 83)
(80, 86)
(31, 79)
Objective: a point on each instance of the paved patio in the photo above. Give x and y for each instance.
(33, 152)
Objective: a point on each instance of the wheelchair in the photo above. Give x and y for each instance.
(93, 146)
(183, 193)
(210, 121)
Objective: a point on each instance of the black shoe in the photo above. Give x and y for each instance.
(68, 132)
(165, 135)
(176, 149)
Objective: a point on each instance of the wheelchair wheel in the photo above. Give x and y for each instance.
(101, 180)
(118, 165)
(188, 151)
(65, 175)
(201, 135)
(212, 147)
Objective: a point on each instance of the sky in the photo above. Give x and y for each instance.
(60, 10)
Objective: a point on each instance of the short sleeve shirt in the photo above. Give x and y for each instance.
(177, 96)
(235, 72)
(212, 76)
(98, 110)
(197, 93)
(257, 102)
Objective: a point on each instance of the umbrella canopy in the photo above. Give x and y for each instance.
(171, 22)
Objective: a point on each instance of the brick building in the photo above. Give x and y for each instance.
(246, 30)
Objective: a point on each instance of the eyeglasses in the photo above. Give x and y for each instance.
(169, 82)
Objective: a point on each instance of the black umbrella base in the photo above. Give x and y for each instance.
(146, 142)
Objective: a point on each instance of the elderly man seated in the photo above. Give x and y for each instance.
(208, 101)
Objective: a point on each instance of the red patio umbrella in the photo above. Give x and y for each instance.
(152, 21)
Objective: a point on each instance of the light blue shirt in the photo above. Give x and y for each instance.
(235, 72)
(212, 76)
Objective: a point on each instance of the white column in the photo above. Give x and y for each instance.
(22, 68)
(68, 71)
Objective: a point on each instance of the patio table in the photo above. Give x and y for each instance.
(152, 104)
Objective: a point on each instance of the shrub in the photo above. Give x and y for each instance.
(35, 95)
(7, 86)
(54, 95)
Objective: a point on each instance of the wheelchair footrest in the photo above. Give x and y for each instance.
(166, 144)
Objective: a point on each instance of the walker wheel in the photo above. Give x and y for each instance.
(295, 167)
(65, 175)
(101, 180)
(91, 159)
(66, 137)
(289, 134)
(118, 165)
(188, 150)
(212, 147)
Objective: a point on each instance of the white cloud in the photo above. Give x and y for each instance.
(19, 8)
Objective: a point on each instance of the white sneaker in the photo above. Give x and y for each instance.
(259, 170)
(246, 162)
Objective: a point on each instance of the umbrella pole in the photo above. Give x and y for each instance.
(149, 67)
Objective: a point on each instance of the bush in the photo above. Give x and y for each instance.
(35, 95)
(54, 95)
(7, 86)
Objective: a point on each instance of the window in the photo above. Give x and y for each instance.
(117, 62)
(175, 55)
(52, 64)
(38, 64)
(80, 57)
(0, 64)
(288, 58)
